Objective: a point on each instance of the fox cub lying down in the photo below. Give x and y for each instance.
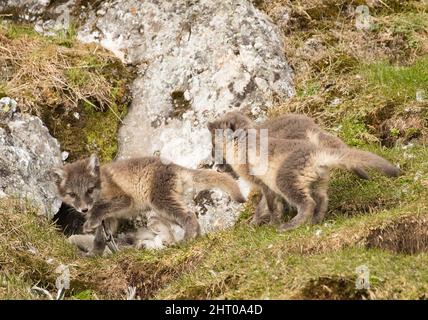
(158, 234)
(297, 170)
(125, 188)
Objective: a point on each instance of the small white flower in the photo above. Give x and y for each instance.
(420, 95)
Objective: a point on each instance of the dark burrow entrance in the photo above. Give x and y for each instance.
(68, 220)
(408, 235)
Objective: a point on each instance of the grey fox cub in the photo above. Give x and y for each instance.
(288, 126)
(297, 170)
(124, 188)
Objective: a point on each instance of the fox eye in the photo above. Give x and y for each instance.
(71, 194)
(91, 190)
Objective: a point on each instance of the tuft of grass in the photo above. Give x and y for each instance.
(309, 89)
(19, 31)
(30, 250)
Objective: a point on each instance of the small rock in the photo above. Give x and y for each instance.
(8, 105)
(363, 20)
(420, 95)
(64, 155)
(335, 102)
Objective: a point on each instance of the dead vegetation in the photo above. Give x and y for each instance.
(344, 74)
(80, 91)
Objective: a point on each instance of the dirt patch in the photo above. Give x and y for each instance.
(211, 290)
(408, 235)
(332, 288)
(151, 278)
(401, 130)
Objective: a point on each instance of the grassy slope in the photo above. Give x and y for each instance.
(362, 86)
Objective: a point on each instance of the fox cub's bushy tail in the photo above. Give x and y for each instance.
(353, 159)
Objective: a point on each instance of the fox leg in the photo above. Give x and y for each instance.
(321, 199)
(162, 227)
(99, 214)
(174, 208)
(305, 210)
(261, 213)
(294, 181)
(264, 208)
(274, 204)
(99, 246)
(103, 208)
(269, 208)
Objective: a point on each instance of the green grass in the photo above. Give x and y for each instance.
(246, 262)
(399, 82)
(308, 90)
(15, 31)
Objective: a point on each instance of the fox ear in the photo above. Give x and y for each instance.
(211, 126)
(93, 165)
(231, 125)
(57, 174)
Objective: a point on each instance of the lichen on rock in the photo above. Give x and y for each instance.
(27, 153)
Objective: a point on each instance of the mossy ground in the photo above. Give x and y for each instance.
(361, 85)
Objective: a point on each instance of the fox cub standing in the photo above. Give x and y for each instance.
(287, 126)
(297, 170)
(122, 189)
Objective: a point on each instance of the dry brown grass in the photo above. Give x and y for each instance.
(80, 91)
(45, 74)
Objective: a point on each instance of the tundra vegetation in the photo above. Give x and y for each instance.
(370, 87)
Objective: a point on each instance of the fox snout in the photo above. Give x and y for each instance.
(84, 209)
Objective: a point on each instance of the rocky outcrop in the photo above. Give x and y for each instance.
(196, 60)
(27, 152)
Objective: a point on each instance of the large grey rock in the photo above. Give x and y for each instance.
(27, 152)
(197, 59)
(24, 8)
